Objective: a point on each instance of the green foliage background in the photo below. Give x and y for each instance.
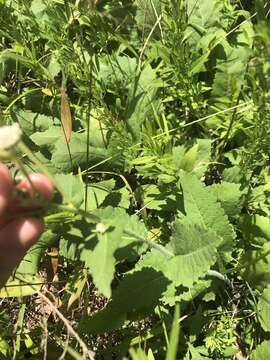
(160, 224)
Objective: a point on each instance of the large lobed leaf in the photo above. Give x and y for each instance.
(195, 250)
(202, 208)
(104, 244)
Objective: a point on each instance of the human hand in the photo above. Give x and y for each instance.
(18, 232)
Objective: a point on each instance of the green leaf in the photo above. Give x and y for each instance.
(262, 352)
(118, 198)
(66, 158)
(263, 309)
(101, 260)
(229, 196)
(140, 90)
(72, 187)
(32, 122)
(103, 321)
(104, 244)
(186, 268)
(174, 336)
(26, 285)
(38, 7)
(128, 295)
(161, 198)
(195, 159)
(195, 250)
(255, 228)
(112, 246)
(230, 72)
(188, 160)
(75, 286)
(47, 138)
(256, 266)
(97, 193)
(54, 67)
(30, 263)
(202, 208)
(188, 238)
(136, 292)
(196, 353)
(5, 349)
(138, 354)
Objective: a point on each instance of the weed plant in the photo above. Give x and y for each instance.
(152, 120)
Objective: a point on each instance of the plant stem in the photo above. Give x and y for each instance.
(151, 243)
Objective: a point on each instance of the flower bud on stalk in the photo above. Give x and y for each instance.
(10, 137)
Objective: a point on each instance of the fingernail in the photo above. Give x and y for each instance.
(30, 231)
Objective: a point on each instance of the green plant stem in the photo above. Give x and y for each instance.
(151, 243)
(20, 97)
(24, 149)
(218, 275)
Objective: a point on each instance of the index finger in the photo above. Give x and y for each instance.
(5, 187)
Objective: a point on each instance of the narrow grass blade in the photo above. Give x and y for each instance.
(173, 344)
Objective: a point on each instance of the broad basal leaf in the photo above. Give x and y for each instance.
(31, 122)
(112, 245)
(162, 198)
(229, 196)
(118, 198)
(65, 158)
(137, 291)
(202, 208)
(104, 244)
(47, 138)
(195, 251)
(195, 258)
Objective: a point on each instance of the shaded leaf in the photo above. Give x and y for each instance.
(72, 187)
(26, 285)
(97, 193)
(263, 309)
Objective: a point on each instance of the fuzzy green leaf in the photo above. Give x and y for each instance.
(229, 196)
(202, 208)
(104, 244)
(136, 292)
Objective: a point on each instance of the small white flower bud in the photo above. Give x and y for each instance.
(101, 228)
(9, 136)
